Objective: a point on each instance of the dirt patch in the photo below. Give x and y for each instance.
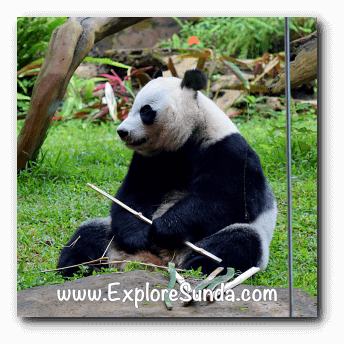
(43, 301)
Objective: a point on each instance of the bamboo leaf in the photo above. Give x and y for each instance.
(221, 279)
(137, 72)
(253, 88)
(170, 66)
(206, 54)
(105, 60)
(172, 270)
(237, 72)
(236, 61)
(22, 97)
(206, 282)
(267, 68)
(35, 65)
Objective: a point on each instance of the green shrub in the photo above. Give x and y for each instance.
(242, 37)
(33, 35)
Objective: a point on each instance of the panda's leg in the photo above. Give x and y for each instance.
(240, 246)
(88, 243)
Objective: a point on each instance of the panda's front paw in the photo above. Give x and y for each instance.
(156, 233)
(163, 236)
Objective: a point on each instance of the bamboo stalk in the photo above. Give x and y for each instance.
(141, 217)
(107, 247)
(135, 262)
(205, 283)
(241, 278)
(202, 251)
(74, 266)
(221, 279)
(113, 262)
(113, 199)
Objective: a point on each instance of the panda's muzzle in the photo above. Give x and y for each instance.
(122, 134)
(128, 140)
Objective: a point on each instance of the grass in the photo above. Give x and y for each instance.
(53, 198)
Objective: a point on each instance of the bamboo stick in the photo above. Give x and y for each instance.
(112, 262)
(204, 283)
(113, 199)
(241, 278)
(74, 266)
(180, 279)
(221, 279)
(141, 217)
(203, 251)
(137, 262)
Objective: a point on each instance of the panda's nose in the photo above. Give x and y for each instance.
(122, 133)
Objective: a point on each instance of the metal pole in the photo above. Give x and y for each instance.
(290, 234)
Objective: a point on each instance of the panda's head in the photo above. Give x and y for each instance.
(164, 115)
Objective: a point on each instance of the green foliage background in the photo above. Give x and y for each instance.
(33, 35)
(241, 37)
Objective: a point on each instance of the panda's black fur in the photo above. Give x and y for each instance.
(207, 188)
(194, 79)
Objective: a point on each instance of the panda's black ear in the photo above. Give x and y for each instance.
(158, 74)
(194, 79)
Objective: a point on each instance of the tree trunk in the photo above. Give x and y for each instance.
(69, 44)
(303, 65)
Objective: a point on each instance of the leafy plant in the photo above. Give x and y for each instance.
(252, 104)
(79, 101)
(241, 37)
(125, 89)
(33, 35)
(105, 60)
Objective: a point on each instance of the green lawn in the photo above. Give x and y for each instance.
(53, 198)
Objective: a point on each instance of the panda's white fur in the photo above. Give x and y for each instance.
(178, 115)
(264, 225)
(195, 176)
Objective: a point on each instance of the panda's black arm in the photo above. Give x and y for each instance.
(226, 188)
(192, 218)
(131, 233)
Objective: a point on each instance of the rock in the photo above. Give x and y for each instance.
(86, 70)
(43, 301)
(228, 98)
(180, 65)
(274, 103)
(229, 79)
(145, 34)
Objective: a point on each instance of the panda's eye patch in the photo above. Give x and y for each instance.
(147, 114)
(145, 109)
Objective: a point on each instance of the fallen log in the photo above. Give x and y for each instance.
(303, 65)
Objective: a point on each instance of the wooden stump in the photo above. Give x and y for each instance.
(303, 65)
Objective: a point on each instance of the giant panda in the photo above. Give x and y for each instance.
(194, 175)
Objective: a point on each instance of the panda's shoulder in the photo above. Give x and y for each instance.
(230, 153)
(233, 146)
